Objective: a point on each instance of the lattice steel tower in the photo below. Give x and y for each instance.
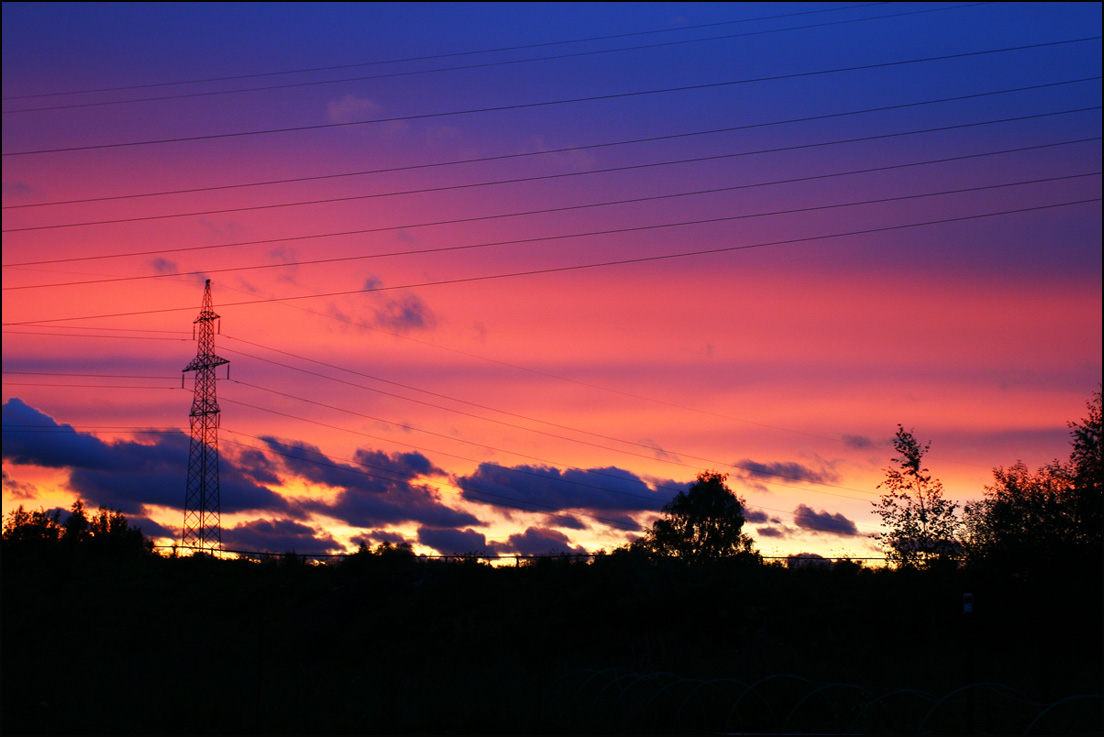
(202, 528)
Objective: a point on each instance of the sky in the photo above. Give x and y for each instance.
(505, 278)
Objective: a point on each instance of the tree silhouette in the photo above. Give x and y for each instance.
(1052, 515)
(112, 535)
(921, 525)
(701, 523)
(1087, 469)
(1088, 466)
(31, 532)
(107, 533)
(1023, 516)
(76, 526)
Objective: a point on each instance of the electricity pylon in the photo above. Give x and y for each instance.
(202, 529)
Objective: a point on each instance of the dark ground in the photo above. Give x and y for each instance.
(191, 645)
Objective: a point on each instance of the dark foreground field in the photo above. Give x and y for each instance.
(400, 644)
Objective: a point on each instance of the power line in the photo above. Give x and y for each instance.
(619, 439)
(547, 103)
(89, 386)
(86, 375)
(552, 151)
(188, 333)
(512, 452)
(509, 365)
(639, 228)
(753, 471)
(545, 460)
(597, 205)
(451, 54)
(578, 267)
(562, 175)
(481, 65)
(512, 469)
(65, 428)
(358, 414)
(508, 556)
(448, 397)
(424, 403)
(490, 408)
(442, 396)
(515, 469)
(466, 492)
(89, 335)
(506, 364)
(435, 394)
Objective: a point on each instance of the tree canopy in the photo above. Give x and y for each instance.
(703, 522)
(1049, 516)
(106, 533)
(1086, 458)
(921, 526)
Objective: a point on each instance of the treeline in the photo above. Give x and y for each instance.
(41, 536)
(1026, 519)
(384, 641)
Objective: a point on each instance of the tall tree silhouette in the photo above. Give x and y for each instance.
(921, 526)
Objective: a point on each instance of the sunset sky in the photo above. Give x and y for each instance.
(506, 277)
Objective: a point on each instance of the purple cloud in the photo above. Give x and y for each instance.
(538, 541)
(125, 475)
(454, 542)
(541, 488)
(831, 524)
(278, 536)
